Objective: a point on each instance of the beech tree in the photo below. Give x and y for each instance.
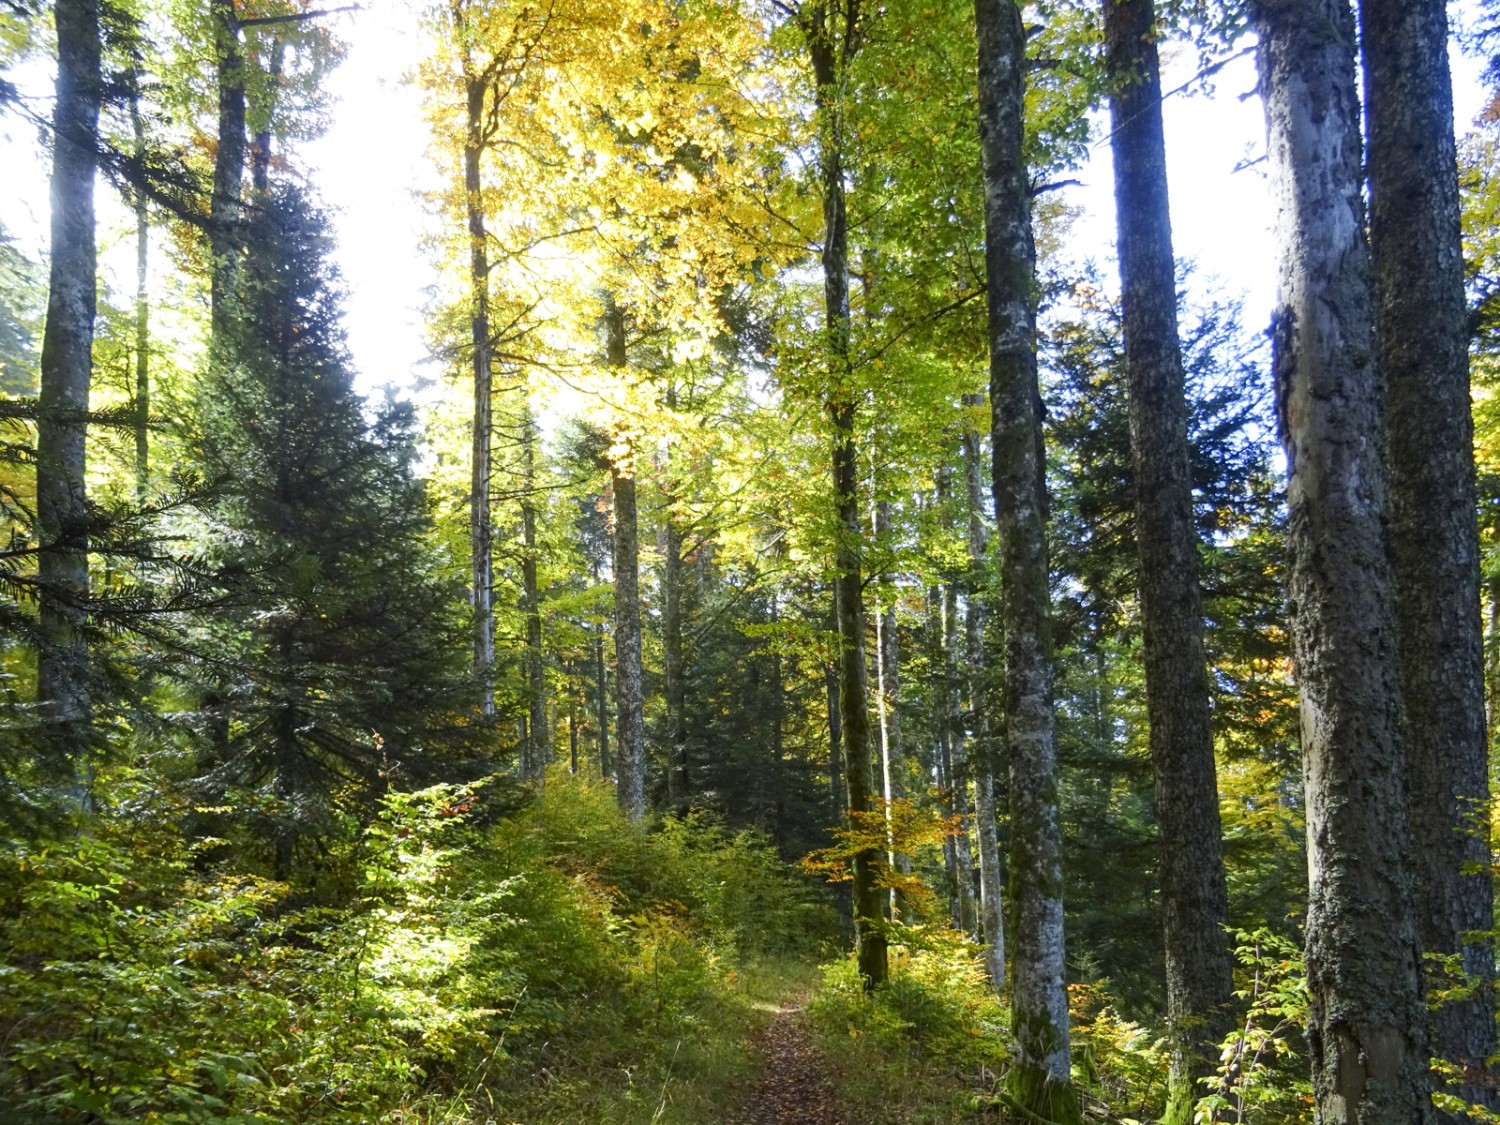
(1041, 1079)
(832, 30)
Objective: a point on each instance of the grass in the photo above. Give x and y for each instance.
(699, 1070)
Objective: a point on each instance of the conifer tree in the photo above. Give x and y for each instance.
(67, 371)
(1365, 1027)
(1422, 324)
(1194, 896)
(337, 641)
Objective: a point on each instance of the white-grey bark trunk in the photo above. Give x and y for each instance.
(630, 722)
(481, 530)
(66, 374)
(538, 734)
(1040, 1077)
(983, 754)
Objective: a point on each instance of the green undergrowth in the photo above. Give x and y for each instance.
(916, 1050)
(449, 963)
(929, 1047)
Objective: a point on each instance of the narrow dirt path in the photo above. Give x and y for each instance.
(794, 1087)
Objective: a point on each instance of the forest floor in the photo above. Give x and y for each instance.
(794, 1088)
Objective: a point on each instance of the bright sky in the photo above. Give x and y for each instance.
(371, 165)
(370, 168)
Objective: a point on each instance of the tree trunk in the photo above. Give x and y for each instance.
(225, 218)
(942, 747)
(601, 672)
(66, 373)
(830, 55)
(629, 682)
(572, 720)
(966, 920)
(260, 144)
(481, 531)
(1194, 896)
(1422, 328)
(887, 694)
(673, 671)
(142, 398)
(987, 826)
(1040, 1080)
(1366, 1022)
(675, 687)
(539, 738)
(835, 739)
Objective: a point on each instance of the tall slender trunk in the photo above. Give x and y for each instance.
(778, 722)
(966, 919)
(983, 757)
(260, 143)
(673, 670)
(889, 655)
(1366, 1024)
(629, 681)
(1194, 895)
(942, 664)
(481, 530)
(830, 54)
(539, 738)
(66, 374)
(887, 685)
(835, 739)
(942, 744)
(142, 397)
(225, 203)
(572, 720)
(601, 674)
(1040, 1079)
(1422, 328)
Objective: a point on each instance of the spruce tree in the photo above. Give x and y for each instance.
(340, 635)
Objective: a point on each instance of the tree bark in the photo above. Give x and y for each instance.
(966, 918)
(572, 720)
(1194, 895)
(260, 144)
(538, 738)
(481, 530)
(66, 374)
(630, 732)
(1365, 1027)
(887, 695)
(675, 687)
(225, 215)
(983, 756)
(601, 672)
(831, 51)
(835, 739)
(942, 743)
(142, 399)
(1040, 1079)
(1423, 332)
(673, 671)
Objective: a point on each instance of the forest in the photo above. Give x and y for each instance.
(808, 650)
